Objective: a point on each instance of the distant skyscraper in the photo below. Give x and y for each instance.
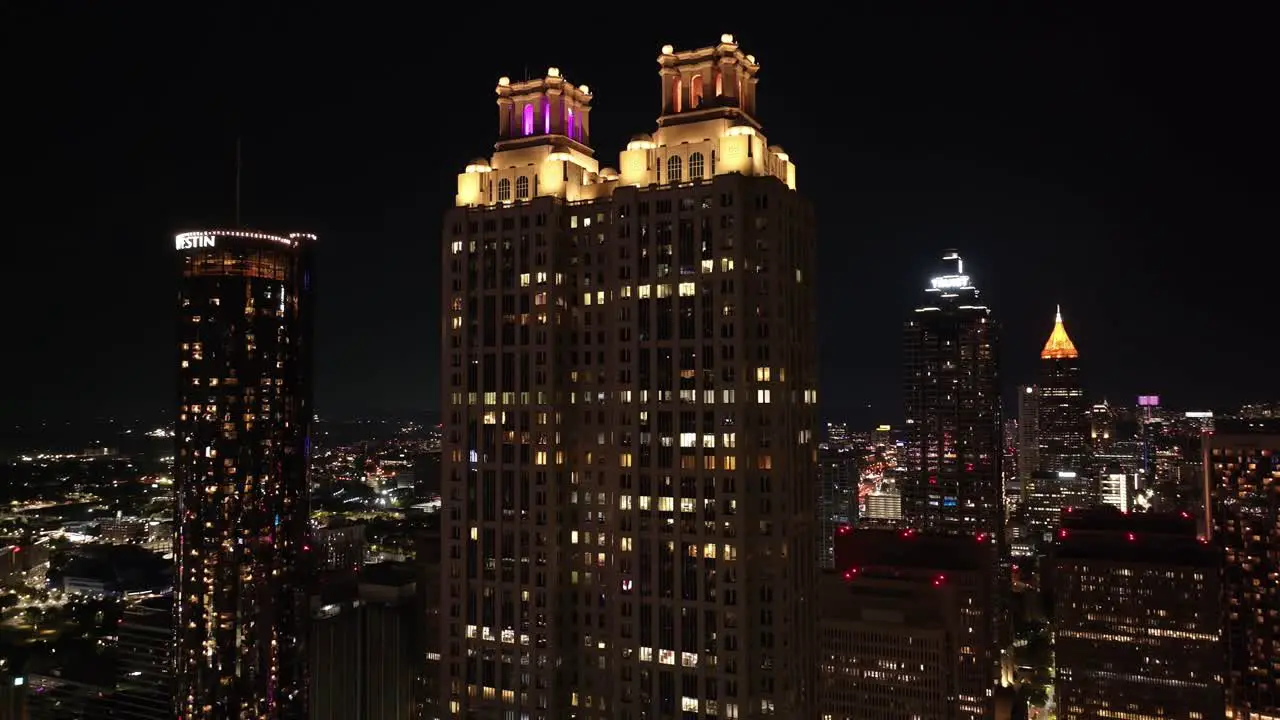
(241, 469)
(838, 501)
(629, 486)
(1063, 413)
(1028, 431)
(1102, 428)
(953, 409)
(1242, 512)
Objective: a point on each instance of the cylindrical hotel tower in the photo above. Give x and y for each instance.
(241, 470)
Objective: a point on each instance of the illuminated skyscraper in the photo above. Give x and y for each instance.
(242, 445)
(955, 437)
(1063, 413)
(952, 390)
(629, 406)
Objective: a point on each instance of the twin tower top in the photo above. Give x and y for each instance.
(708, 127)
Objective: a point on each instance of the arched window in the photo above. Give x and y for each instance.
(695, 92)
(522, 188)
(673, 169)
(504, 190)
(528, 119)
(719, 84)
(695, 166)
(677, 90)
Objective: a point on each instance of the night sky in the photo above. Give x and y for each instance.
(1121, 165)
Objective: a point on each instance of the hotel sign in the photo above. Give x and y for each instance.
(192, 241)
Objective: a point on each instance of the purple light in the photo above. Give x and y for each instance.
(546, 118)
(570, 129)
(528, 119)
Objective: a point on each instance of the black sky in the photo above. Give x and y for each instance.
(1122, 164)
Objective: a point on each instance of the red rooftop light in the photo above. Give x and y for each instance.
(1132, 537)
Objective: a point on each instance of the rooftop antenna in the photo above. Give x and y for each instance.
(238, 181)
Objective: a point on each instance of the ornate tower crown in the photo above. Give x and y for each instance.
(1059, 345)
(542, 110)
(716, 81)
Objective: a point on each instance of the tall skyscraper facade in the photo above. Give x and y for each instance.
(1028, 431)
(952, 393)
(1242, 512)
(241, 469)
(1063, 413)
(838, 499)
(629, 403)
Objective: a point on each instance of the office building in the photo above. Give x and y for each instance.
(1028, 442)
(241, 471)
(1242, 514)
(1138, 618)
(365, 645)
(144, 667)
(954, 444)
(884, 507)
(629, 411)
(903, 627)
(838, 499)
(1102, 428)
(1063, 416)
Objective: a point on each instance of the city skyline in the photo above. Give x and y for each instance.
(608, 365)
(1056, 186)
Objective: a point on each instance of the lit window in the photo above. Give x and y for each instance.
(695, 166)
(522, 188)
(673, 169)
(504, 190)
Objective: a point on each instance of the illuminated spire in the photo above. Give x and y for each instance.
(1059, 346)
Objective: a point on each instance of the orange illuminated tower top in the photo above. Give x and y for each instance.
(1059, 346)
